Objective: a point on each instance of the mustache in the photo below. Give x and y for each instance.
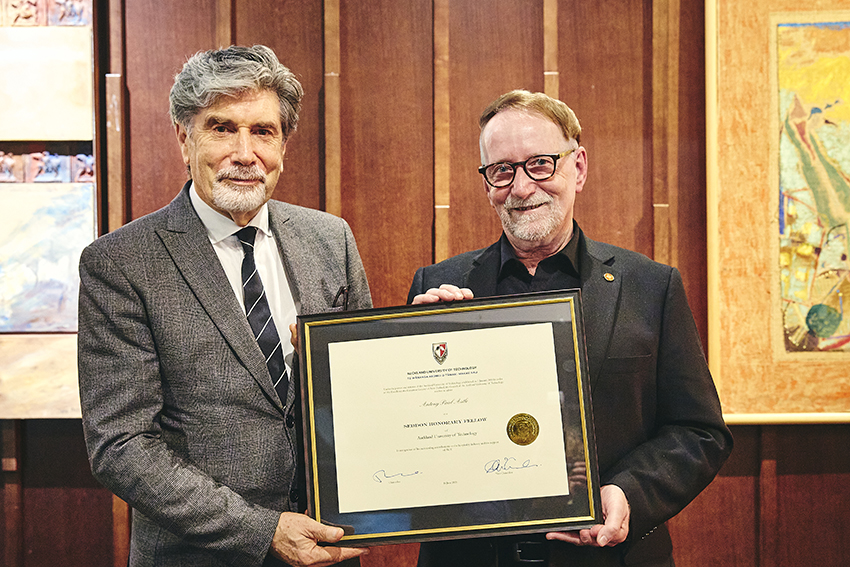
(242, 173)
(536, 199)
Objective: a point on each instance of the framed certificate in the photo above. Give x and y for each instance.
(449, 420)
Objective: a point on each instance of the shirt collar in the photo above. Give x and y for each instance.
(219, 226)
(569, 252)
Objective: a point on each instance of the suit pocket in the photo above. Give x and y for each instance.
(628, 364)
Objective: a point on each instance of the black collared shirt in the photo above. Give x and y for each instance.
(559, 271)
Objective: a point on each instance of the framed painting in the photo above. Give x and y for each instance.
(43, 229)
(778, 164)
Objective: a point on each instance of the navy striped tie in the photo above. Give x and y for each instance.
(260, 315)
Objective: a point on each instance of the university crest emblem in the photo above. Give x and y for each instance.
(440, 351)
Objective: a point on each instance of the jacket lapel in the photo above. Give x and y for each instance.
(600, 294)
(293, 256)
(187, 243)
(484, 273)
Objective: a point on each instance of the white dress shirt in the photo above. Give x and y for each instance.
(222, 234)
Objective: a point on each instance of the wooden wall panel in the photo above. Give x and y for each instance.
(611, 87)
(67, 514)
(605, 77)
(813, 495)
(11, 509)
(75, 525)
(720, 527)
(689, 250)
(780, 501)
(386, 131)
(294, 31)
(160, 36)
(494, 46)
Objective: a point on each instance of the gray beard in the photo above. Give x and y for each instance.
(236, 199)
(527, 228)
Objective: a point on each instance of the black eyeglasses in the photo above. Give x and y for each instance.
(538, 168)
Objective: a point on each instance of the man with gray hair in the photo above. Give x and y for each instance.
(190, 406)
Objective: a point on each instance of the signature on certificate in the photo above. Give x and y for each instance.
(507, 464)
(382, 475)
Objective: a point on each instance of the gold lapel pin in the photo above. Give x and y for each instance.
(608, 276)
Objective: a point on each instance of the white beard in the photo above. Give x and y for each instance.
(535, 225)
(236, 198)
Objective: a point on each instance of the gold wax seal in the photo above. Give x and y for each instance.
(523, 429)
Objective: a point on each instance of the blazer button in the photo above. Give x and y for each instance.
(293, 495)
(290, 421)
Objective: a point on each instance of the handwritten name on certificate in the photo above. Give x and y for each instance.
(447, 418)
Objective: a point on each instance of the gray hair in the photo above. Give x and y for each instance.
(209, 75)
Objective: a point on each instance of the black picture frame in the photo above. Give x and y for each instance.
(579, 509)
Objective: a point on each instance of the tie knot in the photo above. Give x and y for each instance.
(246, 236)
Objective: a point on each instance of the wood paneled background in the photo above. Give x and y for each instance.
(388, 140)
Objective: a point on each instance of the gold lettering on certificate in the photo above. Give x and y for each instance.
(523, 429)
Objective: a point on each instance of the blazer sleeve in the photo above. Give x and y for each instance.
(359, 295)
(121, 392)
(689, 440)
(417, 286)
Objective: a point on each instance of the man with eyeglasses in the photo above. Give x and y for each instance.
(659, 429)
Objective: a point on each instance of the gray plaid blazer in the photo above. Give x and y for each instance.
(179, 413)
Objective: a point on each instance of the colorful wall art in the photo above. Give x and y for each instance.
(813, 70)
(778, 188)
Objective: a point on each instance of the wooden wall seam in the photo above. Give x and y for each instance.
(333, 134)
(665, 103)
(115, 137)
(13, 506)
(120, 532)
(551, 77)
(672, 132)
(224, 24)
(116, 209)
(768, 495)
(442, 131)
(116, 36)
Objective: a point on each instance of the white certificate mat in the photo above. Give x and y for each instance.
(412, 430)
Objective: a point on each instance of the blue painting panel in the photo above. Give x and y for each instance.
(43, 230)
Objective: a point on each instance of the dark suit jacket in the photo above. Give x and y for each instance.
(180, 416)
(659, 429)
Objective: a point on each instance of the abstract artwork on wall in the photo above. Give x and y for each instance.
(813, 70)
(778, 214)
(43, 229)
